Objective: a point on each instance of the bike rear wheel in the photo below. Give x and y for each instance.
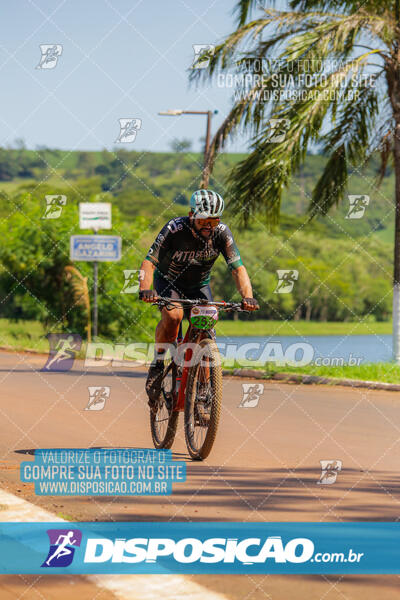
(163, 419)
(203, 399)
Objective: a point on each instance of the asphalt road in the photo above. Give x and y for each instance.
(264, 466)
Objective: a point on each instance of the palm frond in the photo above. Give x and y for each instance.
(338, 96)
(248, 112)
(348, 144)
(376, 7)
(258, 181)
(229, 52)
(334, 32)
(243, 9)
(331, 186)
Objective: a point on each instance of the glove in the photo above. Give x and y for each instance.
(148, 295)
(250, 304)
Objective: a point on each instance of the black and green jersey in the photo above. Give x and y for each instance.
(186, 258)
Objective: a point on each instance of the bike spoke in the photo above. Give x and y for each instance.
(202, 406)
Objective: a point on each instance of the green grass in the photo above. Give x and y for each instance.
(11, 186)
(278, 328)
(23, 335)
(384, 372)
(65, 517)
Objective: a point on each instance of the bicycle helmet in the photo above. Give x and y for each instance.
(206, 203)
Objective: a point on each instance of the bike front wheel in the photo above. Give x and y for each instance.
(164, 419)
(203, 399)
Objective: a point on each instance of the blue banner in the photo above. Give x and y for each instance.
(200, 548)
(103, 472)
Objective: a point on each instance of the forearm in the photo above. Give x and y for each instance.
(147, 274)
(242, 282)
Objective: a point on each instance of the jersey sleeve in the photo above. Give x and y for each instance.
(160, 245)
(229, 249)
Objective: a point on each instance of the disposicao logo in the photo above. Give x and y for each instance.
(190, 550)
(227, 553)
(63, 543)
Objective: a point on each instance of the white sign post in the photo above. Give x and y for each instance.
(95, 215)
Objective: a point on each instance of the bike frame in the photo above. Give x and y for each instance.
(192, 335)
(180, 401)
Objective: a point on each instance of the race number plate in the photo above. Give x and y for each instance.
(204, 317)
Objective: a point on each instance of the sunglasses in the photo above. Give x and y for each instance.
(213, 221)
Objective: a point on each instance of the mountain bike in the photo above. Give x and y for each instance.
(192, 380)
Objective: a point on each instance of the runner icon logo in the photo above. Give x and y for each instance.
(330, 470)
(128, 129)
(251, 394)
(131, 283)
(286, 278)
(54, 206)
(97, 397)
(357, 206)
(199, 50)
(50, 55)
(63, 543)
(63, 348)
(278, 130)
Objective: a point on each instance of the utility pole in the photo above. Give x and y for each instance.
(176, 112)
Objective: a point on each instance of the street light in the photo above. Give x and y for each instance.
(176, 112)
(173, 112)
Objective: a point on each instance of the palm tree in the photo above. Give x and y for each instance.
(80, 293)
(340, 61)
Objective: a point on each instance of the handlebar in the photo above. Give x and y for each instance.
(171, 302)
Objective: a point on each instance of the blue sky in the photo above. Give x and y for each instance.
(121, 58)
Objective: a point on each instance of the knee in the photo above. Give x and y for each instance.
(173, 318)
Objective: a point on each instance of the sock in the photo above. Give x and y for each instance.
(159, 355)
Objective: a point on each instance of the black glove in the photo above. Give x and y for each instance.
(148, 295)
(250, 304)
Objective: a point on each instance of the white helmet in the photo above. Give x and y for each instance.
(206, 203)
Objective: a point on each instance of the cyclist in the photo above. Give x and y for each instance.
(178, 265)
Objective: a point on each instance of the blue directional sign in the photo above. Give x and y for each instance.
(103, 248)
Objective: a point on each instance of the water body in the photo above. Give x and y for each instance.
(360, 348)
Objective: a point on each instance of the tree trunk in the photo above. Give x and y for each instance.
(324, 313)
(308, 310)
(396, 271)
(393, 81)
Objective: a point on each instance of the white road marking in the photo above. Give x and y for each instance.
(13, 508)
(152, 587)
(124, 587)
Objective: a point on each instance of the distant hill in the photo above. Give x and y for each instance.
(147, 183)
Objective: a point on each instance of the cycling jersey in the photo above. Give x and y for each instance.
(185, 258)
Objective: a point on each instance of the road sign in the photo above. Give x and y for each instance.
(95, 215)
(104, 248)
